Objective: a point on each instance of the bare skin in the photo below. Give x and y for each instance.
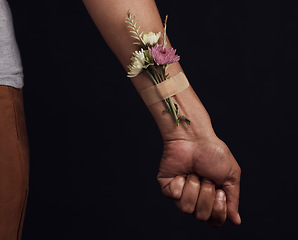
(197, 169)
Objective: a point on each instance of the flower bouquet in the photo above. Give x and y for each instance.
(153, 58)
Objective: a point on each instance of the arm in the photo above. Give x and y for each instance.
(190, 151)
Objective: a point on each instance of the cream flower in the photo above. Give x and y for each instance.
(137, 63)
(151, 38)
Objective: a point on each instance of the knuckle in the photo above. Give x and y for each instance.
(207, 189)
(239, 171)
(160, 182)
(194, 182)
(158, 178)
(237, 174)
(176, 194)
(222, 149)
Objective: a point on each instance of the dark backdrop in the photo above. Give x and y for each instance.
(95, 148)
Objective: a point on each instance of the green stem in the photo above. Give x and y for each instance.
(168, 101)
(161, 73)
(168, 105)
(151, 76)
(174, 110)
(156, 75)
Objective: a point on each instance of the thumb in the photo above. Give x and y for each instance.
(172, 187)
(232, 190)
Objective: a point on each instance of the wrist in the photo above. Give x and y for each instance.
(191, 107)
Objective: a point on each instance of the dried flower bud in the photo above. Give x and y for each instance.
(151, 38)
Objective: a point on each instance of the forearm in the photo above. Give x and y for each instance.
(109, 17)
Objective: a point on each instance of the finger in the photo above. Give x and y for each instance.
(219, 210)
(188, 200)
(205, 200)
(232, 192)
(172, 187)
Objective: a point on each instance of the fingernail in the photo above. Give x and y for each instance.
(221, 196)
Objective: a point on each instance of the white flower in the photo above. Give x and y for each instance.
(137, 63)
(151, 38)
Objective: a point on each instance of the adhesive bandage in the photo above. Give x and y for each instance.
(165, 89)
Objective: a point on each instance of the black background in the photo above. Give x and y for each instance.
(95, 148)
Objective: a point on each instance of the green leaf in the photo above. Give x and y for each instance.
(185, 119)
(165, 111)
(147, 65)
(135, 30)
(136, 37)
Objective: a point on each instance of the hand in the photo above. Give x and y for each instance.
(202, 199)
(181, 164)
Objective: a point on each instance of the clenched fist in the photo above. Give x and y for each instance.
(203, 177)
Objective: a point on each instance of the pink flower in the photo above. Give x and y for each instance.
(162, 56)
